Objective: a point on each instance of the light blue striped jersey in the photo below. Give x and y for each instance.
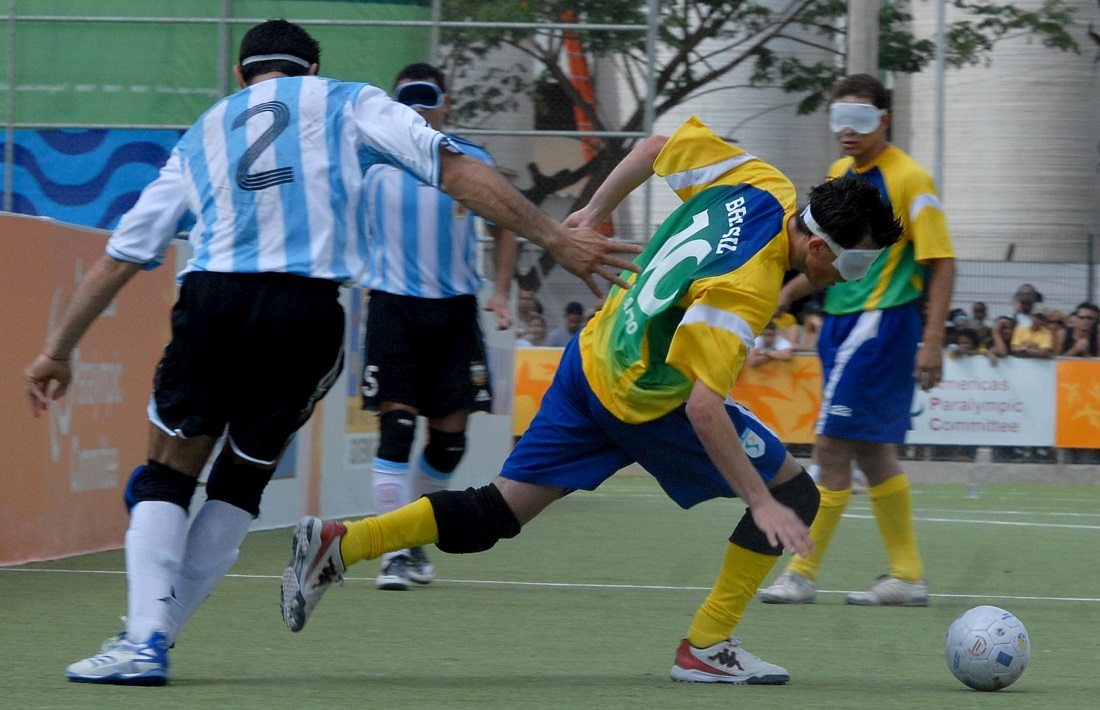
(273, 178)
(420, 241)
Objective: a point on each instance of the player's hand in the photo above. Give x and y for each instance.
(46, 379)
(929, 369)
(584, 253)
(499, 308)
(782, 526)
(580, 218)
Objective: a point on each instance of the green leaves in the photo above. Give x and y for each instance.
(702, 41)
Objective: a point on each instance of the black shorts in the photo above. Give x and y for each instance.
(426, 353)
(251, 352)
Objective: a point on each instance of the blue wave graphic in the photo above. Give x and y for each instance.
(21, 205)
(74, 142)
(86, 177)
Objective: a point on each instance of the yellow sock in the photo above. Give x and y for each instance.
(892, 504)
(741, 574)
(410, 526)
(828, 517)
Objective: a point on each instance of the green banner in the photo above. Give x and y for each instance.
(165, 72)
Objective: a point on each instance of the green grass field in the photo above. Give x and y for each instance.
(584, 610)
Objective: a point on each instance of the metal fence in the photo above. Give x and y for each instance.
(991, 281)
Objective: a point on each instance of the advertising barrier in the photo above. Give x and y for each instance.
(64, 471)
(977, 403)
(1017, 402)
(783, 395)
(1077, 402)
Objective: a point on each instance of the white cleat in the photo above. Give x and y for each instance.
(725, 662)
(891, 591)
(790, 588)
(315, 565)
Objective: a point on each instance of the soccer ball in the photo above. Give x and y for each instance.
(987, 648)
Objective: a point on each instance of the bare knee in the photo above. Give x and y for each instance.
(526, 500)
(879, 461)
(834, 456)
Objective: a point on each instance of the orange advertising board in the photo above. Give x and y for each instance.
(784, 395)
(1077, 404)
(534, 370)
(787, 395)
(65, 470)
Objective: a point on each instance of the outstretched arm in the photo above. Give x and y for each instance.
(49, 375)
(628, 175)
(581, 251)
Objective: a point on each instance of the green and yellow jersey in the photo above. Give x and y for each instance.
(709, 283)
(897, 276)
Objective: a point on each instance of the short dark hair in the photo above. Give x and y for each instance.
(1088, 306)
(574, 308)
(422, 71)
(863, 85)
(1038, 296)
(278, 37)
(969, 333)
(850, 209)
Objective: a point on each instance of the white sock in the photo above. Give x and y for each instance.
(389, 485)
(213, 544)
(154, 550)
(428, 480)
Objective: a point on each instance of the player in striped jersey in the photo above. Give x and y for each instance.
(423, 351)
(272, 176)
(648, 381)
(872, 347)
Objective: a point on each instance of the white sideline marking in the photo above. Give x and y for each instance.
(986, 511)
(579, 585)
(973, 521)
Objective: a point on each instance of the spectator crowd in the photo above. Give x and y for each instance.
(1032, 330)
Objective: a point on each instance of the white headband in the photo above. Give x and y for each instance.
(852, 264)
(271, 57)
(814, 227)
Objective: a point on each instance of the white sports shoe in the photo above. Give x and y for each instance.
(725, 662)
(891, 591)
(315, 565)
(123, 662)
(394, 575)
(790, 588)
(420, 569)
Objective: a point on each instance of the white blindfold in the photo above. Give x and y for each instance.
(852, 264)
(861, 118)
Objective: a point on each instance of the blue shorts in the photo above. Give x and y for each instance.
(575, 443)
(867, 362)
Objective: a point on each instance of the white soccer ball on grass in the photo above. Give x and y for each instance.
(987, 648)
